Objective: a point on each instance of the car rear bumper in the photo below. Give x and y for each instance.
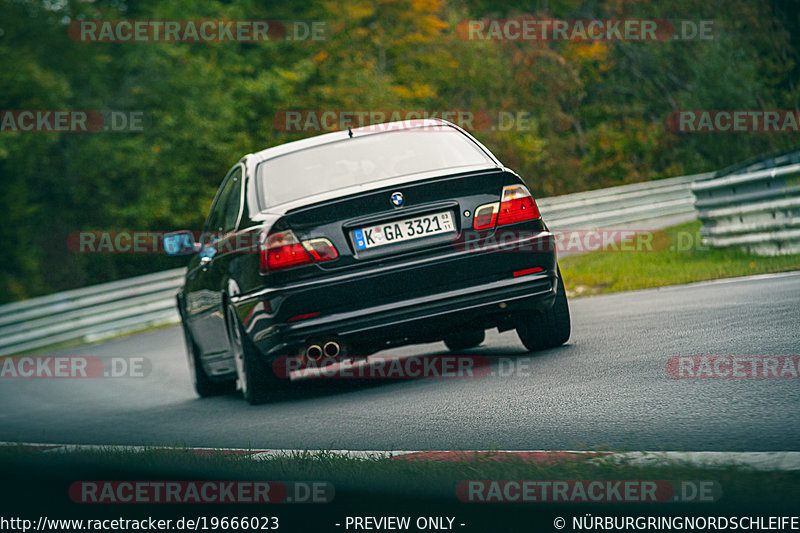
(484, 289)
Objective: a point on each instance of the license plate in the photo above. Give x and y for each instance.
(403, 230)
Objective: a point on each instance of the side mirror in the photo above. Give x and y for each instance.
(180, 243)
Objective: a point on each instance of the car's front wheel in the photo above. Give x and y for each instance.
(548, 329)
(465, 340)
(202, 383)
(256, 380)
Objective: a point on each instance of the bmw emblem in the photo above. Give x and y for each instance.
(397, 199)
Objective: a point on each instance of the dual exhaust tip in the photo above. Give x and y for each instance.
(315, 352)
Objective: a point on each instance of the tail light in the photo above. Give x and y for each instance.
(486, 216)
(516, 205)
(321, 249)
(284, 250)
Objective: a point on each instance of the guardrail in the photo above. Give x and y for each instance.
(625, 204)
(758, 211)
(101, 311)
(90, 313)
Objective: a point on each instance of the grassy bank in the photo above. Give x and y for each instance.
(673, 256)
(426, 479)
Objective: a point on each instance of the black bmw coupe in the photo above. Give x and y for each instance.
(356, 241)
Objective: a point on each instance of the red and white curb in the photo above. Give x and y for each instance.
(763, 461)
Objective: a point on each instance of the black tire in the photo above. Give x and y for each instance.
(548, 329)
(464, 340)
(204, 386)
(257, 381)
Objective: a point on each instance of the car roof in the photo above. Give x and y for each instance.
(373, 129)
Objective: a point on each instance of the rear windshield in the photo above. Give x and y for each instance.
(361, 160)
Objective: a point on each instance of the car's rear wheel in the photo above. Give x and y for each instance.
(204, 386)
(256, 380)
(548, 329)
(464, 340)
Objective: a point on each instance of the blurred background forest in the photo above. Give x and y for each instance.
(599, 109)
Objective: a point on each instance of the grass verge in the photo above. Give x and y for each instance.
(396, 477)
(676, 257)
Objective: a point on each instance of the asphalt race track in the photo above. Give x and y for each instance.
(608, 388)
